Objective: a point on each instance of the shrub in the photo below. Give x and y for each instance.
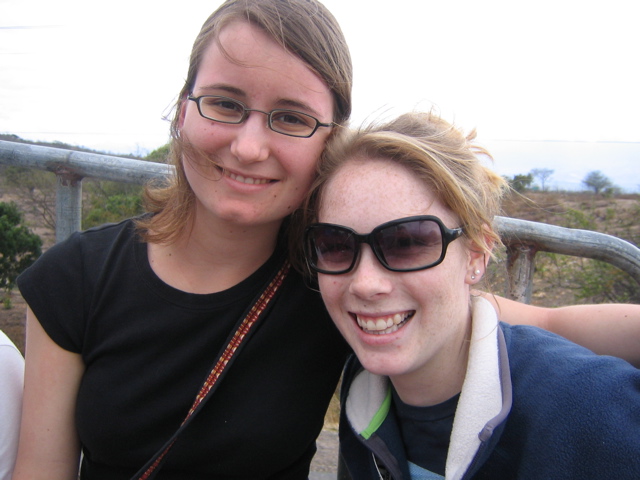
(19, 247)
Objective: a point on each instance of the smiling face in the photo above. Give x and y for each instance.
(411, 326)
(248, 174)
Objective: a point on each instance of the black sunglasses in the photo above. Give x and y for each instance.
(403, 245)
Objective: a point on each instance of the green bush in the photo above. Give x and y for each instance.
(19, 247)
(592, 281)
(110, 202)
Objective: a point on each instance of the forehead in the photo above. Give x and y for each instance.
(249, 60)
(366, 192)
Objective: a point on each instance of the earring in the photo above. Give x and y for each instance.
(473, 276)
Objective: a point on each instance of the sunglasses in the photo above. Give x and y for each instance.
(403, 245)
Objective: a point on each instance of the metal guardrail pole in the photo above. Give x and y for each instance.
(70, 167)
(82, 164)
(524, 239)
(68, 205)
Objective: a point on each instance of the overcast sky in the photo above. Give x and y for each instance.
(547, 84)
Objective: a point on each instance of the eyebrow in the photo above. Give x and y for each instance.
(284, 103)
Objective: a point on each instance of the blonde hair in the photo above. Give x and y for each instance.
(303, 27)
(439, 154)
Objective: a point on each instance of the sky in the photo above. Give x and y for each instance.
(546, 84)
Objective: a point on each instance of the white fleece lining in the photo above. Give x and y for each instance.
(481, 395)
(366, 395)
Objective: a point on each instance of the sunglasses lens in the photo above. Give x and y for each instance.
(410, 245)
(331, 249)
(403, 245)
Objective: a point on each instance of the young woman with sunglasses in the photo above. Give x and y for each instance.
(125, 321)
(400, 233)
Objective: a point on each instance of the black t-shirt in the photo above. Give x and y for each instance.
(426, 432)
(147, 348)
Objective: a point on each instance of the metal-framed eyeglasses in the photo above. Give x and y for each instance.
(403, 245)
(228, 110)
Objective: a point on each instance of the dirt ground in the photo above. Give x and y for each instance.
(326, 459)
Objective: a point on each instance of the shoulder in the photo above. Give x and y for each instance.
(99, 238)
(525, 340)
(89, 246)
(11, 386)
(11, 374)
(557, 378)
(533, 349)
(10, 356)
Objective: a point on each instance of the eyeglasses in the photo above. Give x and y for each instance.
(228, 110)
(404, 245)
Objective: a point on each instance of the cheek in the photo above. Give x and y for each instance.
(299, 164)
(331, 289)
(204, 134)
(305, 156)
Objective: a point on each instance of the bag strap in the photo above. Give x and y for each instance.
(238, 339)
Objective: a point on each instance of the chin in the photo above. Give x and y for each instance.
(381, 364)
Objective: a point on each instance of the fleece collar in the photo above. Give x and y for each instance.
(485, 399)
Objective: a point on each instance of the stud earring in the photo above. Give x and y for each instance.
(473, 276)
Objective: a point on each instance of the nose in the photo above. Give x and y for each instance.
(369, 278)
(251, 142)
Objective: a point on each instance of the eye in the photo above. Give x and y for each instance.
(222, 108)
(334, 247)
(418, 240)
(291, 121)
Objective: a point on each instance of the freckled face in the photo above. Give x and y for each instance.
(427, 310)
(259, 176)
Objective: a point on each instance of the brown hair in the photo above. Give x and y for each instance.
(303, 27)
(439, 154)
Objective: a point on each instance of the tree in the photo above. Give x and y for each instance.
(36, 190)
(520, 182)
(542, 174)
(597, 181)
(19, 247)
(159, 155)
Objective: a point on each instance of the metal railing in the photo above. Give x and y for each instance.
(523, 239)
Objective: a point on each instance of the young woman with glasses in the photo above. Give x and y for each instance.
(126, 321)
(399, 233)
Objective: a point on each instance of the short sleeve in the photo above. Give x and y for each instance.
(55, 289)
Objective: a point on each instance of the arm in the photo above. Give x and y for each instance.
(607, 329)
(49, 447)
(11, 378)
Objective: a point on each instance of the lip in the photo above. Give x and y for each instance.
(244, 180)
(381, 328)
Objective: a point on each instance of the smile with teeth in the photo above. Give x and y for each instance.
(383, 325)
(247, 180)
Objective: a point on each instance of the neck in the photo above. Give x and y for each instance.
(211, 256)
(441, 378)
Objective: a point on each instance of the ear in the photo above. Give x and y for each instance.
(183, 112)
(478, 260)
